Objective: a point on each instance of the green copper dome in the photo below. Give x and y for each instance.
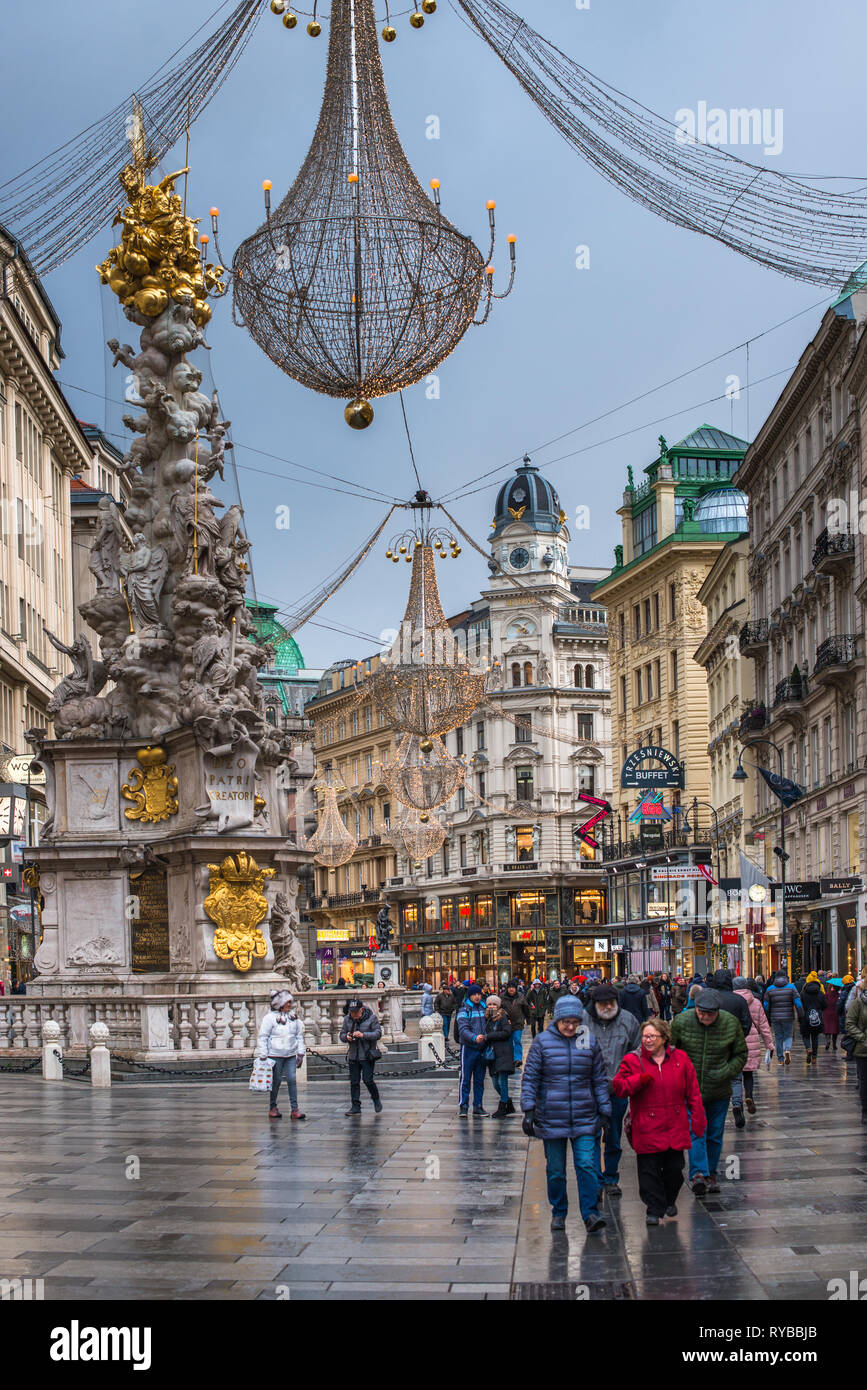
(287, 653)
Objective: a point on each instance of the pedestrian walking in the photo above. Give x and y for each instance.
(856, 1027)
(427, 1000)
(650, 996)
(721, 983)
(499, 1054)
(715, 1044)
(759, 1040)
(518, 1013)
(634, 999)
(782, 1004)
(362, 1031)
(537, 1002)
(691, 995)
(666, 1110)
(565, 1100)
(830, 1019)
(663, 997)
(446, 1005)
(470, 1025)
(812, 1012)
(617, 1032)
(556, 990)
(678, 995)
(281, 1038)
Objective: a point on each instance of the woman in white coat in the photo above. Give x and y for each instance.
(281, 1038)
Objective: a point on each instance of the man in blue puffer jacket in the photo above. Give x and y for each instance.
(470, 1026)
(565, 1096)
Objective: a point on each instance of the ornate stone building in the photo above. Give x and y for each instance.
(805, 635)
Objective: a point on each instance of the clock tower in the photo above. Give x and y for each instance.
(529, 535)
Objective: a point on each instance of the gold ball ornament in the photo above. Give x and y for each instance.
(278, 6)
(426, 745)
(424, 817)
(416, 20)
(389, 33)
(290, 19)
(429, 6)
(358, 414)
(314, 28)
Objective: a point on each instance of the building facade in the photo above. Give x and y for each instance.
(805, 637)
(674, 527)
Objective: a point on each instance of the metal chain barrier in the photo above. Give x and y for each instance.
(177, 1071)
(28, 1066)
(76, 1075)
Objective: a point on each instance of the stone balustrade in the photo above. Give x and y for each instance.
(151, 1027)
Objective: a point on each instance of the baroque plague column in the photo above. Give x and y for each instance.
(168, 822)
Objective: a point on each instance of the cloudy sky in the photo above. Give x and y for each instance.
(569, 346)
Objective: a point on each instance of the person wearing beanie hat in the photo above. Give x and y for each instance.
(634, 1000)
(536, 1000)
(500, 1057)
(566, 1101)
(281, 1038)
(759, 1039)
(813, 1001)
(617, 1032)
(782, 1004)
(714, 1042)
(470, 1026)
(556, 989)
(518, 1014)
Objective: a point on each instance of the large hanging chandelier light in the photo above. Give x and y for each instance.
(425, 684)
(422, 773)
(332, 843)
(416, 835)
(356, 285)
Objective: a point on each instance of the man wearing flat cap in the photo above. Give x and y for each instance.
(714, 1042)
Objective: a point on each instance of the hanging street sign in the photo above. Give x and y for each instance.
(664, 873)
(651, 807)
(667, 773)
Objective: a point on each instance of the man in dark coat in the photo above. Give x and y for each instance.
(565, 1100)
(470, 1023)
(361, 1030)
(721, 983)
(617, 1032)
(714, 1042)
(634, 999)
(446, 1005)
(518, 1014)
(556, 990)
(537, 1003)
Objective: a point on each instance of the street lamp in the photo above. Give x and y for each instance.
(788, 793)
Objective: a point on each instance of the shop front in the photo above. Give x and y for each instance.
(440, 963)
(587, 953)
(342, 960)
(528, 953)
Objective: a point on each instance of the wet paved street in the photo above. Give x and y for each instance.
(221, 1203)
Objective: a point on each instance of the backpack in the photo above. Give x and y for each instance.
(814, 1018)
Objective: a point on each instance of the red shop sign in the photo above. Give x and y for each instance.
(730, 936)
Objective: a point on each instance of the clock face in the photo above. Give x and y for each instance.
(519, 558)
(5, 813)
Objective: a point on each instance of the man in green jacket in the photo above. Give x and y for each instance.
(856, 1027)
(714, 1042)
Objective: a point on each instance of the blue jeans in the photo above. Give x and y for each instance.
(705, 1152)
(783, 1037)
(501, 1084)
(584, 1157)
(517, 1045)
(473, 1068)
(738, 1089)
(446, 1022)
(610, 1174)
(284, 1066)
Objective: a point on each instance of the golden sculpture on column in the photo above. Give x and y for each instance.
(237, 903)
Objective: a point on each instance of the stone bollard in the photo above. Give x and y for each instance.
(430, 1035)
(100, 1058)
(52, 1054)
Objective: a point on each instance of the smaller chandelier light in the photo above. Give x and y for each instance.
(417, 835)
(332, 844)
(422, 773)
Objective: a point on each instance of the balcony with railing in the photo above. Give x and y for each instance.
(790, 691)
(752, 721)
(835, 658)
(753, 637)
(630, 846)
(834, 552)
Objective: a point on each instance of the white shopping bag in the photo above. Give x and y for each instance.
(260, 1079)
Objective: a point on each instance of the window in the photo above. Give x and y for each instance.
(527, 909)
(484, 911)
(523, 728)
(656, 611)
(524, 843)
(638, 699)
(675, 738)
(623, 693)
(644, 530)
(355, 722)
(462, 799)
(648, 679)
(808, 449)
(636, 619)
(647, 615)
(588, 677)
(459, 741)
(658, 673)
(358, 825)
(342, 724)
(528, 673)
(447, 912)
(368, 767)
(370, 820)
(815, 767)
(462, 850)
(622, 629)
(829, 750)
(588, 906)
(386, 813)
(848, 737)
(367, 720)
(674, 670)
(672, 601)
(524, 783)
(578, 675)
(587, 778)
(445, 856)
(480, 782)
(584, 724)
(516, 673)
(480, 735)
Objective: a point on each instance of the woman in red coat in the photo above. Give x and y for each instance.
(830, 1017)
(661, 1083)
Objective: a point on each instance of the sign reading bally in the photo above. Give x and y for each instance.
(668, 771)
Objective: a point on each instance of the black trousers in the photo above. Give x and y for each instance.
(358, 1072)
(861, 1064)
(747, 1077)
(660, 1178)
(811, 1038)
(537, 1025)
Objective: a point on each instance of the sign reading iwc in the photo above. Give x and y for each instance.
(667, 773)
(150, 928)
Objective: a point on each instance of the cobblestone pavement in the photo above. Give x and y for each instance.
(413, 1203)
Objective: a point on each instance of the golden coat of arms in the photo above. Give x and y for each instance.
(153, 787)
(237, 903)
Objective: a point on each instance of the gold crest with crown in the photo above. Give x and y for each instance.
(153, 787)
(237, 903)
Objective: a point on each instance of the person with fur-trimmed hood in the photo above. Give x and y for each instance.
(281, 1037)
(617, 1032)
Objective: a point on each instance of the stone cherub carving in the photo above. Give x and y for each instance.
(104, 559)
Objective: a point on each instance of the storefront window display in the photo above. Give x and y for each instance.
(527, 909)
(633, 898)
(588, 906)
(524, 843)
(447, 913)
(485, 910)
(618, 899)
(847, 937)
(587, 955)
(409, 918)
(465, 913)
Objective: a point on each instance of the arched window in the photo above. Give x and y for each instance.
(528, 673)
(516, 673)
(588, 677)
(578, 676)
